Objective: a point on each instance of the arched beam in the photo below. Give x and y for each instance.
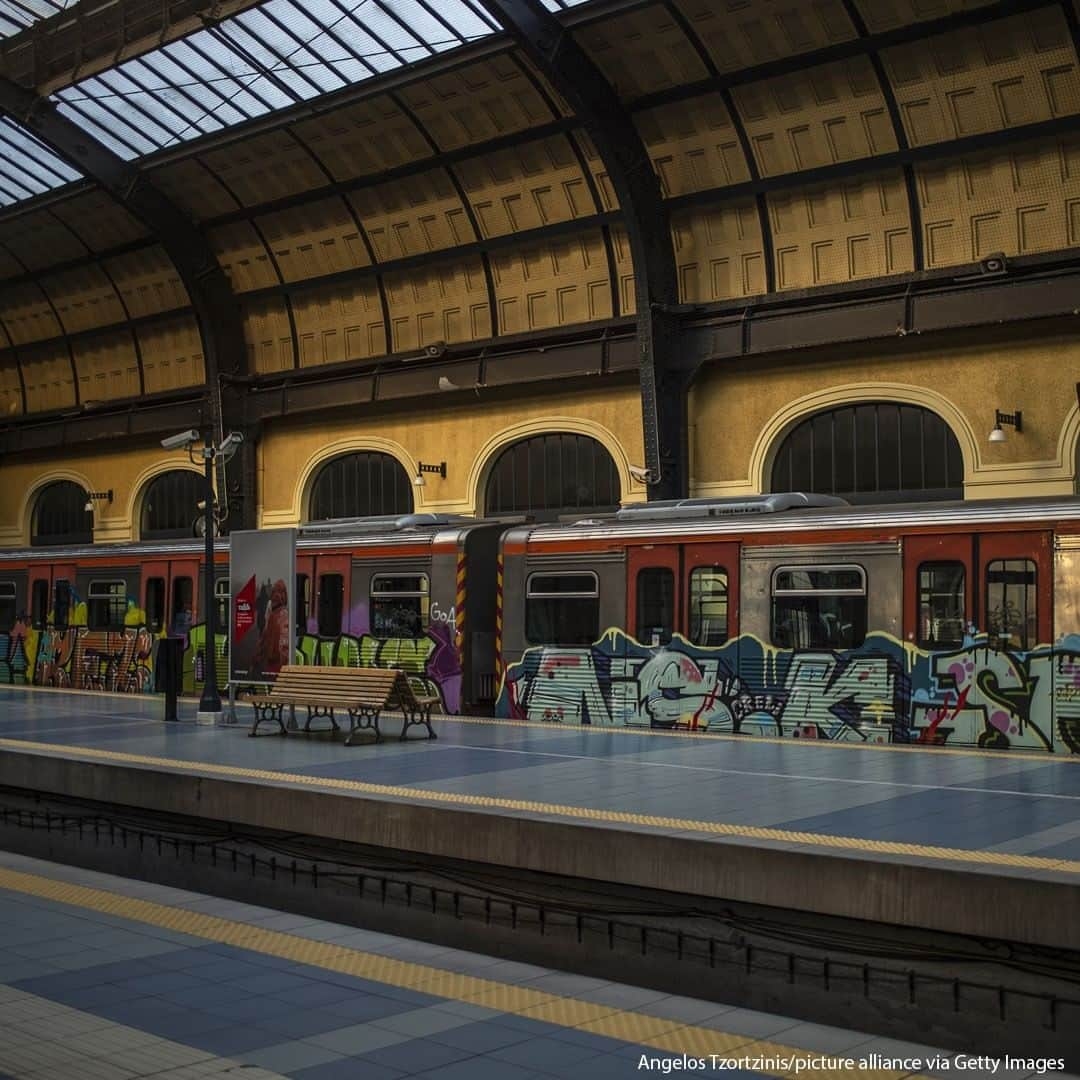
(218, 314)
(664, 380)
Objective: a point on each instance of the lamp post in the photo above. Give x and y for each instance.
(210, 703)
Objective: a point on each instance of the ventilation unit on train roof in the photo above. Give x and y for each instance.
(385, 523)
(728, 507)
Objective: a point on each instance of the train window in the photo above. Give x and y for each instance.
(61, 603)
(1011, 615)
(106, 605)
(303, 601)
(183, 596)
(819, 607)
(562, 609)
(221, 599)
(39, 604)
(331, 604)
(655, 605)
(399, 605)
(942, 615)
(708, 605)
(7, 605)
(155, 604)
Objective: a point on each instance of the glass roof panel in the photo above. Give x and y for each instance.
(17, 15)
(28, 167)
(261, 60)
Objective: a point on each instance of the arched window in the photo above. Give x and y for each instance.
(61, 517)
(549, 475)
(871, 453)
(361, 485)
(171, 505)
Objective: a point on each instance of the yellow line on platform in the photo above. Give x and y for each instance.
(1036, 756)
(583, 813)
(641, 1029)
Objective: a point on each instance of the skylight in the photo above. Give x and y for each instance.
(17, 15)
(27, 166)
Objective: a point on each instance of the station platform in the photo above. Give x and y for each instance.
(896, 835)
(106, 978)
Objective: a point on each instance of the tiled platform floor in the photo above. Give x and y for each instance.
(1017, 813)
(103, 978)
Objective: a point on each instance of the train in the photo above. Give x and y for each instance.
(781, 615)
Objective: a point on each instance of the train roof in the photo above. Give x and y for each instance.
(350, 532)
(796, 512)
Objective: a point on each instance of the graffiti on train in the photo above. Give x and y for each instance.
(883, 691)
(430, 661)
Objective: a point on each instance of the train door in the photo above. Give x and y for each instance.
(323, 588)
(690, 590)
(653, 574)
(52, 595)
(999, 585)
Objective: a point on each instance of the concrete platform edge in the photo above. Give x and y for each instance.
(954, 899)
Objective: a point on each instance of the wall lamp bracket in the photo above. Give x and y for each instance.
(421, 468)
(97, 496)
(1014, 420)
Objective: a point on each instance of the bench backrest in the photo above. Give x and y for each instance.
(321, 683)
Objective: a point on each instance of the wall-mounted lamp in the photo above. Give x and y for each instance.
(421, 468)
(97, 496)
(1012, 419)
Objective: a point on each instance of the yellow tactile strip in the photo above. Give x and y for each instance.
(665, 1035)
(1032, 756)
(583, 813)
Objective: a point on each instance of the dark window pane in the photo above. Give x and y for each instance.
(942, 607)
(1011, 615)
(873, 452)
(562, 609)
(549, 475)
(303, 601)
(171, 505)
(60, 516)
(708, 605)
(7, 605)
(331, 604)
(106, 605)
(555, 620)
(655, 605)
(155, 604)
(61, 604)
(183, 595)
(39, 605)
(399, 605)
(818, 622)
(361, 485)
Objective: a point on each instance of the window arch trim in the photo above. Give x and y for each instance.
(784, 420)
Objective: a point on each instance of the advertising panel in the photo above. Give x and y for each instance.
(262, 573)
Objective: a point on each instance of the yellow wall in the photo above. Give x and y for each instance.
(125, 471)
(740, 410)
(467, 435)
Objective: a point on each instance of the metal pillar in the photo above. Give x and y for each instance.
(210, 702)
(665, 379)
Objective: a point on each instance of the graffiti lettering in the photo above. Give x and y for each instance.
(449, 617)
(881, 692)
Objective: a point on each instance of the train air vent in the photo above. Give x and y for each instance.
(385, 523)
(732, 507)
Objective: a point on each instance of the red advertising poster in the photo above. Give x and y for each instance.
(262, 570)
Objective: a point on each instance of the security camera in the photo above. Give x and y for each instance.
(181, 441)
(436, 348)
(640, 473)
(230, 444)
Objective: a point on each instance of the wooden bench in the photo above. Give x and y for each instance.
(361, 692)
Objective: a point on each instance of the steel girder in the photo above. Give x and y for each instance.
(220, 324)
(664, 382)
